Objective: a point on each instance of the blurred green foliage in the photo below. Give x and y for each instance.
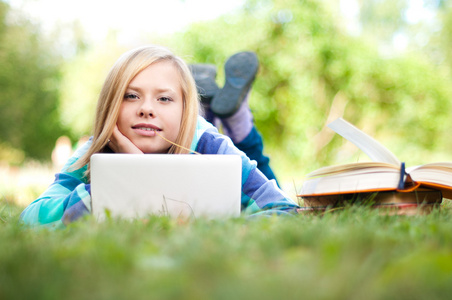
(83, 76)
(311, 69)
(29, 81)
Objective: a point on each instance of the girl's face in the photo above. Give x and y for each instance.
(153, 102)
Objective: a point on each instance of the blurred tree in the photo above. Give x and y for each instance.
(380, 20)
(83, 76)
(441, 42)
(29, 81)
(397, 27)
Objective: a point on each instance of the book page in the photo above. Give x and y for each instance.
(355, 181)
(370, 146)
(446, 166)
(358, 167)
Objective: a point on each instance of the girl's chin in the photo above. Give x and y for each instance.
(148, 150)
(155, 152)
(152, 145)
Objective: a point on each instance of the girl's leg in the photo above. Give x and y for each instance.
(240, 128)
(230, 104)
(253, 146)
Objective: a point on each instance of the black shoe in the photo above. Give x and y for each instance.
(240, 71)
(204, 76)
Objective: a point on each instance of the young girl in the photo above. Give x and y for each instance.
(148, 104)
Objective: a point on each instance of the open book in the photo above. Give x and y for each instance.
(384, 173)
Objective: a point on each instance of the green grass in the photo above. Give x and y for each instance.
(350, 254)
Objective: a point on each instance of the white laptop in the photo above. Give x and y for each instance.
(181, 186)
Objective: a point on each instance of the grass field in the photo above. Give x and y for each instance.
(351, 254)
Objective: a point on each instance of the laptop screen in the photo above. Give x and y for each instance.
(176, 185)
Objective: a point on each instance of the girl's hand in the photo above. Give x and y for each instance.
(119, 143)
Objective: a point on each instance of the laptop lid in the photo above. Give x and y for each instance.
(186, 185)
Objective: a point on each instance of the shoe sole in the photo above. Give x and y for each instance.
(240, 71)
(204, 76)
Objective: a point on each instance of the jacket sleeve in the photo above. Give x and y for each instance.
(259, 195)
(65, 200)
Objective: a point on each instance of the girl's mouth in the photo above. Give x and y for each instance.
(146, 128)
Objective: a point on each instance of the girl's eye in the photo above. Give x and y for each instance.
(130, 96)
(164, 99)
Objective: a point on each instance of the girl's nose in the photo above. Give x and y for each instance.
(146, 109)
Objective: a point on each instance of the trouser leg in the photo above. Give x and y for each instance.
(253, 147)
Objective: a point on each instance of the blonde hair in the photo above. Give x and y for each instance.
(112, 94)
